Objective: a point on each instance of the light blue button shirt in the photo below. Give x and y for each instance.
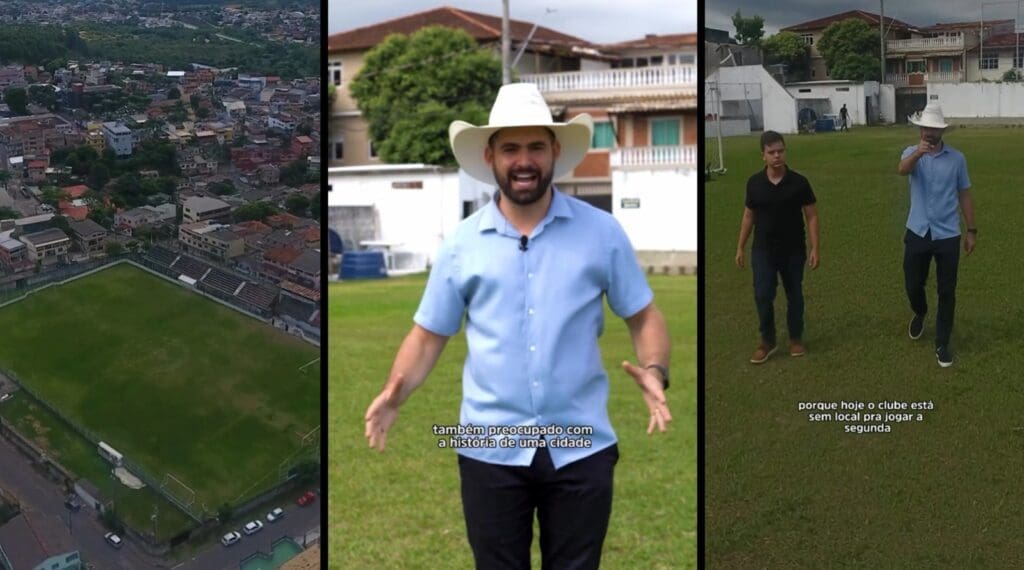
(532, 322)
(935, 186)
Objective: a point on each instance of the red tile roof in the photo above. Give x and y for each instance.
(483, 27)
(282, 255)
(654, 41)
(822, 23)
(957, 26)
(77, 213)
(76, 191)
(283, 219)
(1002, 41)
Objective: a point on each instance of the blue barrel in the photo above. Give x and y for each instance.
(824, 125)
(363, 265)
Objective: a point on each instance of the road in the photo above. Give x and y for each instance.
(42, 504)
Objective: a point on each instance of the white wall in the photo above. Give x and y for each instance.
(974, 100)
(853, 98)
(730, 128)
(667, 217)
(779, 106)
(418, 219)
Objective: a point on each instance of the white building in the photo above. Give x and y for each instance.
(118, 138)
(200, 209)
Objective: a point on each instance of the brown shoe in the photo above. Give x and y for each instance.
(762, 353)
(797, 348)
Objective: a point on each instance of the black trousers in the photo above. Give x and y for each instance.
(768, 269)
(917, 257)
(573, 505)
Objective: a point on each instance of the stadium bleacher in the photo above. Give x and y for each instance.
(191, 267)
(257, 296)
(223, 281)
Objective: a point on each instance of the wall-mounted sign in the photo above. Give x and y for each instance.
(417, 185)
(630, 203)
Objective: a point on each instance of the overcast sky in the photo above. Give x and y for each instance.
(781, 13)
(598, 21)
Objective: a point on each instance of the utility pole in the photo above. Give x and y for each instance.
(506, 45)
(881, 38)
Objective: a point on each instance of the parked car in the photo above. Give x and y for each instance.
(231, 538)
(275, 515)
(114, 540)
(306, 499)
(252, 527)
(72, 503)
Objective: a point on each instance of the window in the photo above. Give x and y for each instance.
(338, 147)
(671, 59)
(989, 60)
(604, 135)
(946, 65)
(334, 72)
(915, 66)
(372, 151)
(688, 58)
(641, 62)
(808, 39)
(665, 132)
(657, 60)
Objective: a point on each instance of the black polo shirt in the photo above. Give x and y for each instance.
(778, 211)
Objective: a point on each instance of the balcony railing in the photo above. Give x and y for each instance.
(647, 156)
(922, 79)
(655, 76)
(925, 44)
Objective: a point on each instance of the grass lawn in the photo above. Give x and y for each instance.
(402, 508)
(177, 383)
(944, 492)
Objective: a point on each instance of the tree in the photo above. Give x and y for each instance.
(17, 99)
(254, 211)
(297, 204)
(43, 95)
(295, 173)
(851, 50)
(789, 49)
(412, 87)
(749, 31)
(314, 206)
(99, 175)
(8, 214)
(62, 224)
(174, 93)
(5, 176)
(202, 113)
(223, 188)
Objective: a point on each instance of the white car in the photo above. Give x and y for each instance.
(275, 515)
(252, 527)
(114, 540)
(231, 538)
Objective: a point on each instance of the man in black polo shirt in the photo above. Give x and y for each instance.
(778, 200)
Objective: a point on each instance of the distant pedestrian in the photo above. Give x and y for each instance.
(844, 118)
(778, 202)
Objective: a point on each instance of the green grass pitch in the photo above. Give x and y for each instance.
(783, 492)
(177, 383)
(401, 509)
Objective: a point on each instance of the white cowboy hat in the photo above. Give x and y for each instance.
(519, 105)
(930, 117)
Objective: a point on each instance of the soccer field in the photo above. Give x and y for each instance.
(177, 383)
(402, 509)
(783, 491)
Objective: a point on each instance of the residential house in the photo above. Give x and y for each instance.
(128, 221)
(201, 209)
(194, 163)
(211, 239)
(13, 253)
(48, 246)
(89, 236)
(812, 30)
(299, 266)
(548, 51)
(644, 111)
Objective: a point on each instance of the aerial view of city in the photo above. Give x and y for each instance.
(160, 284)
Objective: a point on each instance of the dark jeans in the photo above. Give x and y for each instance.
(573, 505)
(768, 268)
(917, 257)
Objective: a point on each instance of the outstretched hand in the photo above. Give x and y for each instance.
(382, 413)
(650, 383)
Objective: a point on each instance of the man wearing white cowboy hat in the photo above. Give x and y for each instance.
(528, 272)
(939, 192)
